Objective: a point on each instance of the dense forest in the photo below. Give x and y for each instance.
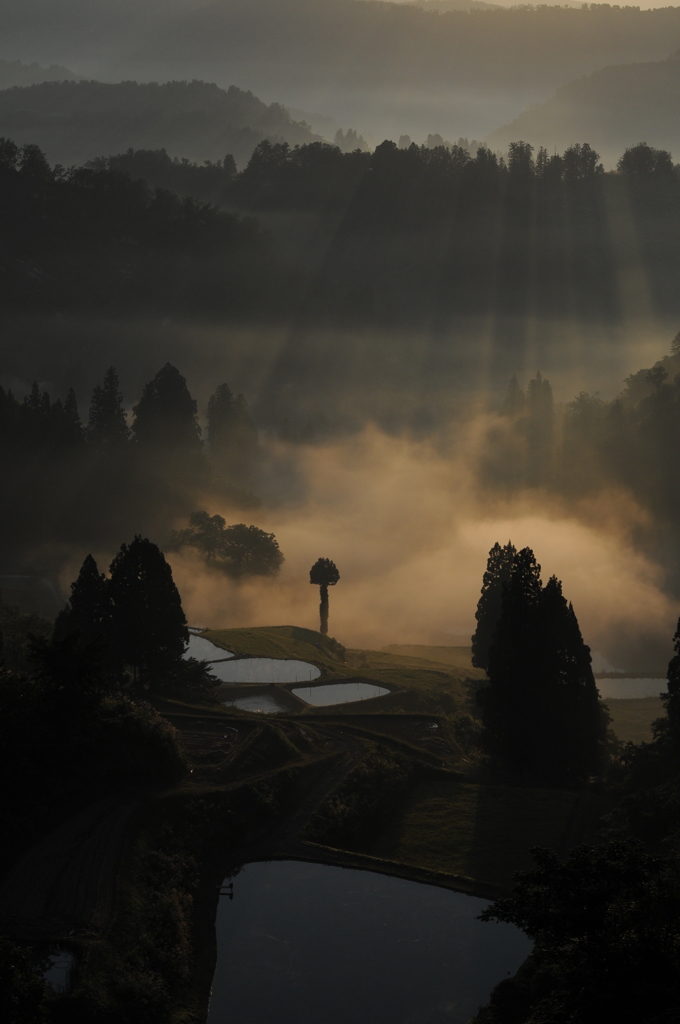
(76, 121)
(401, 236)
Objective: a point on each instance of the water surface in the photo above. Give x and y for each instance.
(316, 944)
(205, 650)
(264, 670)
(339, 693)
(625, 689)
(265, 702)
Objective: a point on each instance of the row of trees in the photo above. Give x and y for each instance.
(83, 483)
(628, 443)
(541, 710)
(166, 416)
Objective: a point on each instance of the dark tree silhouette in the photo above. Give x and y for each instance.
(324, 574)
(671, 698)
(541, 710)
(605, 922)
(107, 423)
(89, 608)
(232, 435)
(166, 412)
(498, 569)
(238, 550)
(149, 629)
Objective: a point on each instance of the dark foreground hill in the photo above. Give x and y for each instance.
(74, 122)
(614, 108)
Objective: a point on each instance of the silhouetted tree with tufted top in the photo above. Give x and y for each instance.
(324, 574)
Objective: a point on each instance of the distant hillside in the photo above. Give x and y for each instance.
(74, 122)
(612, 109)
(14, 72)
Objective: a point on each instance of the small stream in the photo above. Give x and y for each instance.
(316, 944)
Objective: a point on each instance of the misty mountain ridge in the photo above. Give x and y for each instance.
(74, 122)
(614, 108)
(393, 68)
(14, 72)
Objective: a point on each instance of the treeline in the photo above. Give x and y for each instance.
(95, 239)
(630, 444)
(416, 234)
(75, 482)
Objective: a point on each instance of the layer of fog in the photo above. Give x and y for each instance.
(410, 531)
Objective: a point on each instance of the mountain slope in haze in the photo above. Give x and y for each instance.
(74, 122)
(612, 109)
(389, 69)
(14, 72)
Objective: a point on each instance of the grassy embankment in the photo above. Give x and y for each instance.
(461, 821)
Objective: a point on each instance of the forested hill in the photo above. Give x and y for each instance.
(14, 72)
(613, 108)
(87, 239)
(406, 237)
(76, 121)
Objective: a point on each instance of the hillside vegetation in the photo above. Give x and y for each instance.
(613, 108)
(73, 122)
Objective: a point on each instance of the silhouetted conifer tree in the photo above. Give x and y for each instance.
(88, 612)
(498, 569)
(149, 629)
(541, 710)
(232, 435)
(324, 574)
(515, 401)
(671, 699)
(107, 424)
(166, 412)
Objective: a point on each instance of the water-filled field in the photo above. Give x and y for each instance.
(327, 945)
(339, 693)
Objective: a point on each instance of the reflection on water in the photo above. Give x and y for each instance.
(58, 974)
(205, 650)
(264, 670)
(624, 689)
(315, 944)
(265, 702)
(338, 693)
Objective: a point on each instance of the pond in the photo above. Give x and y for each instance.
(205, 650)
(268, 703)
(320, 944)
(58, 973)
(339, 693)
(264, 670)
(625, 689)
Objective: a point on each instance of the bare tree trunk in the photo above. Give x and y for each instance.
(323, 608)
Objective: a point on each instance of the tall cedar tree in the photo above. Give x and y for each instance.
(89, 608)
(324, 574)
(541, 710)
(232, 435)
(107, 423)
(148, 625)
(166, 412)
(498, 569)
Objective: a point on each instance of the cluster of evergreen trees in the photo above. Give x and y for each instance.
(541, 710)
(627, 444)
(85, 482)
(133, 619)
